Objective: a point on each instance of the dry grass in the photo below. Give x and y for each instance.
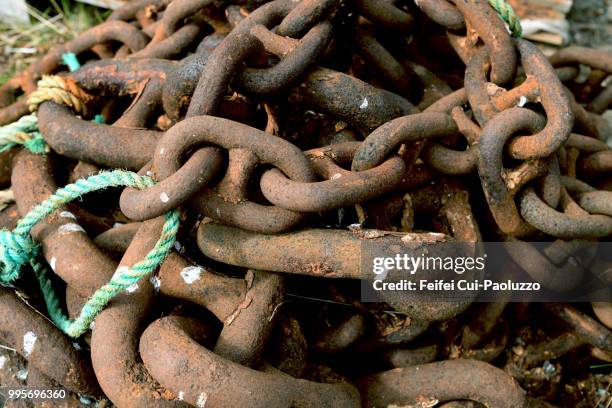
(61, 21)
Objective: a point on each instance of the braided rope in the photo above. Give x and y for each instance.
(60, 90)
(17, 249)
(50, 88)
(123, 279)
(23, 132)
(506, 12)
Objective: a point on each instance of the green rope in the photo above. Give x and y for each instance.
(505, 11)
(23, 132)
(17, 249)
(70, 60)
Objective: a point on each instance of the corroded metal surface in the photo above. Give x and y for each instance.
(291, 135)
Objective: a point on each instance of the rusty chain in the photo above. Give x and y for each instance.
(288, 133)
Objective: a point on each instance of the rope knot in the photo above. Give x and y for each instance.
(61, 90)
(15, 250)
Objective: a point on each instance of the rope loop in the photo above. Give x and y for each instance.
(17, 249)
(61, 90)
(25, 131)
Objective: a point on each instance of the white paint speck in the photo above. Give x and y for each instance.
(91, 325)
(117, 224)
(150, 173)
(218, 211)
(191, 274)
(22, 374)
(178, 246)
(164, 197)
(364, 104)
(201, 402)
(67, 214)
(84, 400)
(3, 360)
(162, 150)
(155, 282)
(52, 263)
(29, 339)
(522, 101)
(181, 394)
(336, 176)
(76, 346)
(132, 288)
(70, 227)
(122, 270)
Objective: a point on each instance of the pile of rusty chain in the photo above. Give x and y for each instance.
(287, 133)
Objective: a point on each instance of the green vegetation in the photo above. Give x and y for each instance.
(60, 21)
